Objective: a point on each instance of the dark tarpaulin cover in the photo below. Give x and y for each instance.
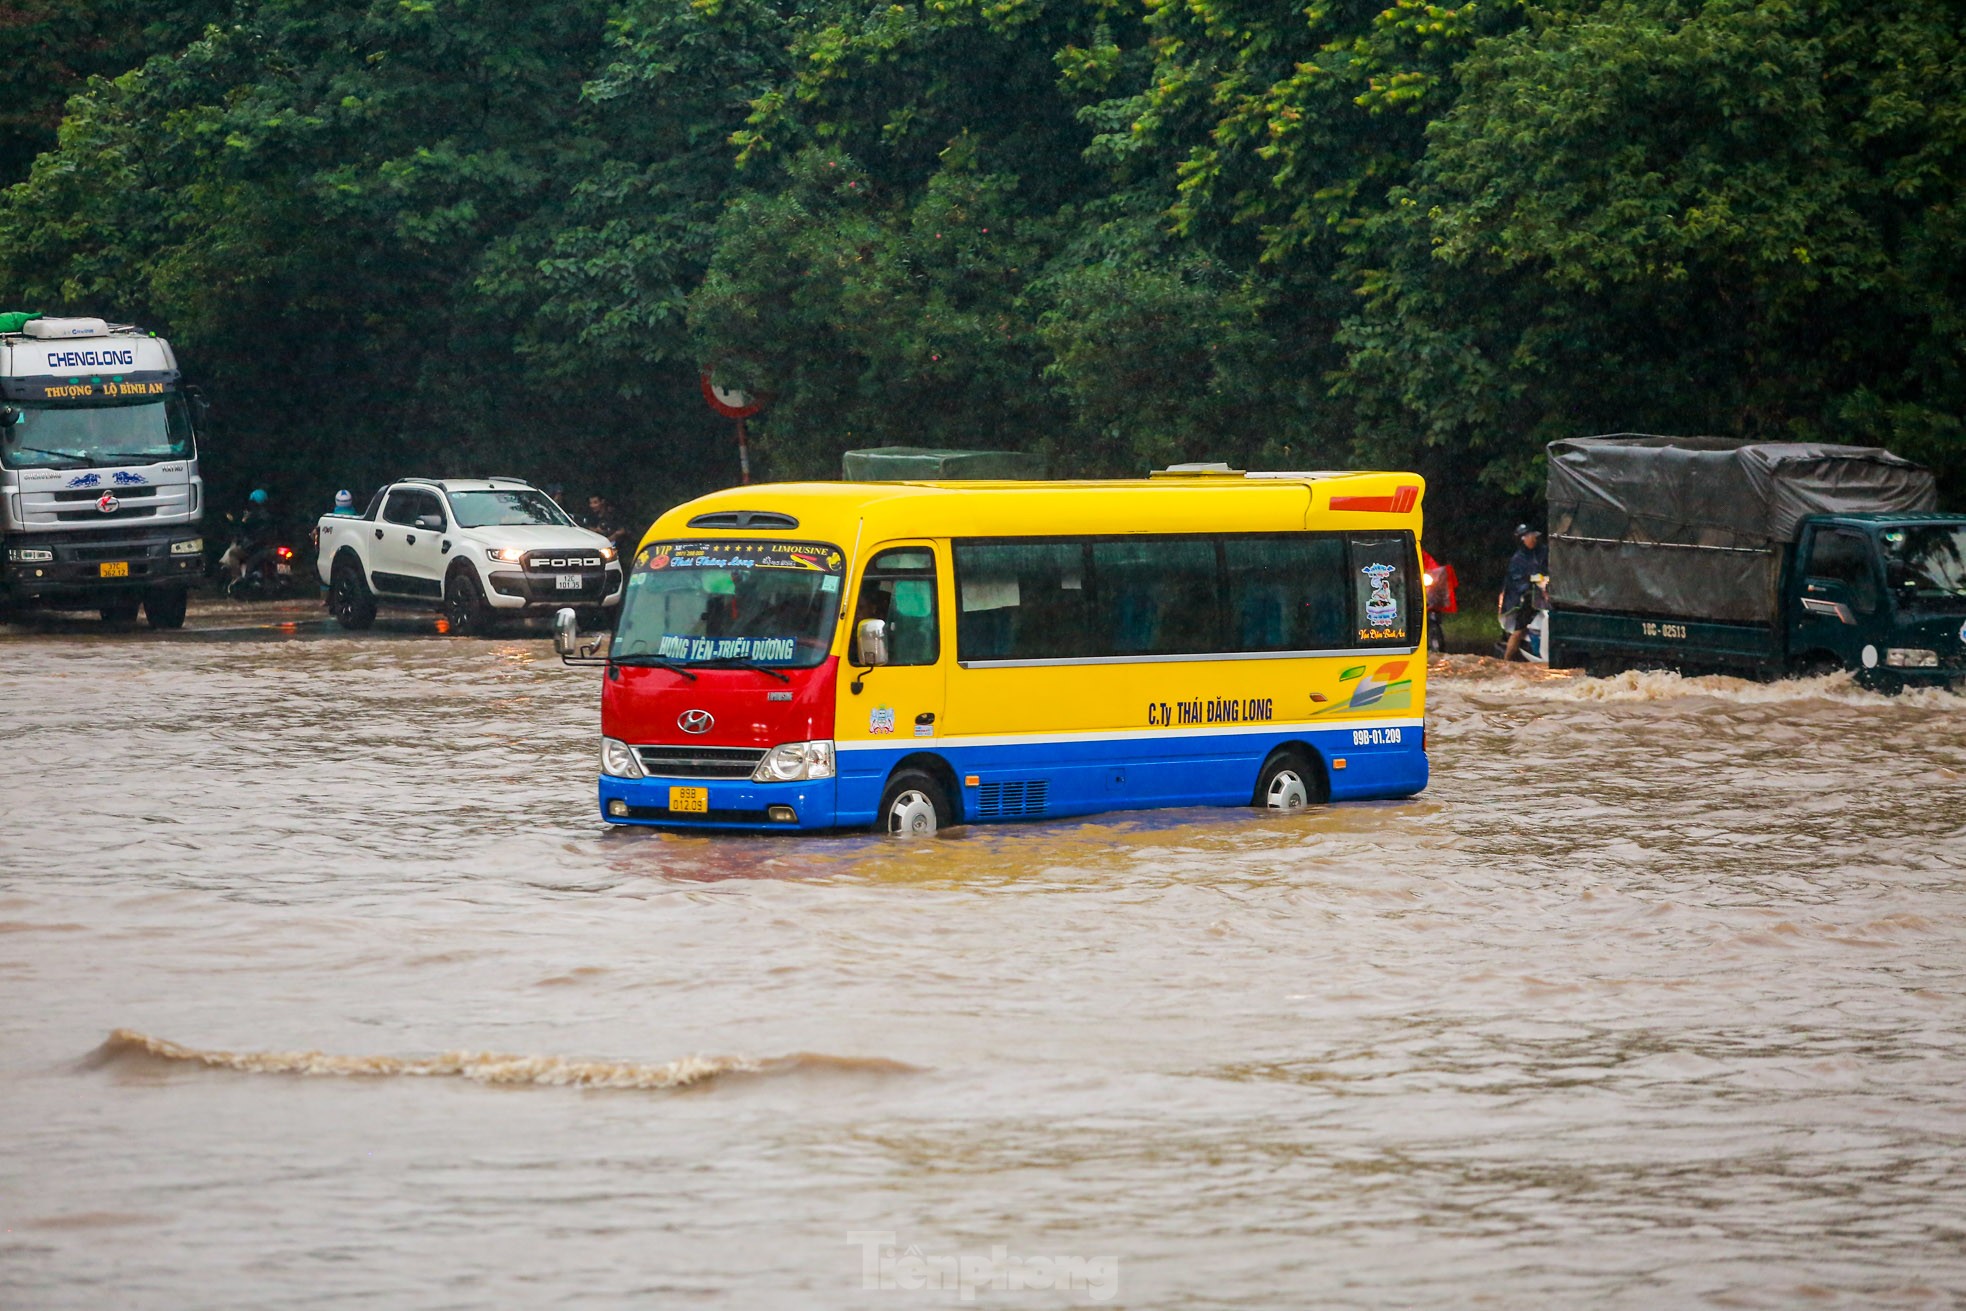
(1696, 527)
(920, 463)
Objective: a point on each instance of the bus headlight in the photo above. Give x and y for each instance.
(1911, 657)
(619, 759)
(793, 762)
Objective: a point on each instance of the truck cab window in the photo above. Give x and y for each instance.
(899, 588)
(1841, 557)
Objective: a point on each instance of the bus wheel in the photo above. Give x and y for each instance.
(913, 805)
(1286, 783)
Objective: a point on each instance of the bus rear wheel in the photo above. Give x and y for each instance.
(1287, 782)
(913, 806)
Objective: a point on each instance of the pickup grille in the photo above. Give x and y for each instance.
(561, 561)
(699, 762)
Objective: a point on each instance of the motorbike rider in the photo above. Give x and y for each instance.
(252, 539)
(1522, 596)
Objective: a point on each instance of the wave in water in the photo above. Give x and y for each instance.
(1486, 675)
(125, 1046)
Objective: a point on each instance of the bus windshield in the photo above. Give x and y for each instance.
(765, 603)
(1926, 565)
(39, 436)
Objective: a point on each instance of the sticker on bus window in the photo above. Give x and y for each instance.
(1380, 589)
(743, 555)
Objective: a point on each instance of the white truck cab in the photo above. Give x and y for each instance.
(474, 549)
(100, 496)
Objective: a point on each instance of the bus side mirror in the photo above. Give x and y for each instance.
(9, 416)
(870, 641)
(566, 632)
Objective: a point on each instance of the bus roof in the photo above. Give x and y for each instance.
(1254, 502)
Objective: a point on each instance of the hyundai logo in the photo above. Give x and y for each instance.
(695, 721)
(108, 503)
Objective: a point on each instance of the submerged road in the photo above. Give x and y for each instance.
(324, 986)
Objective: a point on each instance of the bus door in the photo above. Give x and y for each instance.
(902, 701)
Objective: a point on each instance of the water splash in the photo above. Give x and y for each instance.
(127, 1045)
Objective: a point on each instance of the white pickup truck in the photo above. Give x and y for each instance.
(474, 549)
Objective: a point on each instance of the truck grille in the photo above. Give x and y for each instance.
(700, 762)
(90, 494)
(93, 515)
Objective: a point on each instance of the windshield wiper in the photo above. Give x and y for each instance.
(652, 662)
(59, 455)
(134, 457)
(734, 663)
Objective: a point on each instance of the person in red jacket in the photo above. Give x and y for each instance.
(1443, 587)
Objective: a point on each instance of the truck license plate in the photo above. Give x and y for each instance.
(113, 569)
(567, 582)
(690, 801)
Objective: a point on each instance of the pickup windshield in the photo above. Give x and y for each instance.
(39, 436)
(515, 507)
(763, 603)
(1926, 566)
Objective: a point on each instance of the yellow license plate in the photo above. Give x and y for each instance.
(690, 801)
(114, 569)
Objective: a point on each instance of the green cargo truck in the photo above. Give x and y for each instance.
(1704, 554)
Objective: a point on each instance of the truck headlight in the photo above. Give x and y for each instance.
(1911, 657)
(793, 762)
(29, 555)
(506, 554)
(619, 759)
(191, 547)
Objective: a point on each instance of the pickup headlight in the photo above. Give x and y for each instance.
(607, 553)
(1911, 657)
(619, 759)
(506, 554)
(794, 762)
(191, 547)
(29, 555)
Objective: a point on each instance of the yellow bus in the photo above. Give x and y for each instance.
(919, 655)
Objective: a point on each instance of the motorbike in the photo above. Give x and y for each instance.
(256, 567)
(1536, 637)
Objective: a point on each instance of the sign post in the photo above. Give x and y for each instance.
(737, 405)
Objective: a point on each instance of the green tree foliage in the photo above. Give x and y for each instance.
(407, 235)
(1727, 217)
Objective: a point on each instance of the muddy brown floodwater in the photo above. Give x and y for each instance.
(322, 985)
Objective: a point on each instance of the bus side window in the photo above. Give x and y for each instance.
(1021, 601)
(1156, 596)
(1287, 593)
(899, 589)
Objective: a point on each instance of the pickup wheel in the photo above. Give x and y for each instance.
(349, 599)
(465, 607)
